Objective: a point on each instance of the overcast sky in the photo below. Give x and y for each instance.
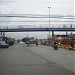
(64, 7)
(59, 7)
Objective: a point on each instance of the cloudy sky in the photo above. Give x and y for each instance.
(40, 7)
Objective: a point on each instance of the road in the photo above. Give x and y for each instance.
(36, 60)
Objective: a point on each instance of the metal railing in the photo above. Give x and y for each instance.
(34, 26)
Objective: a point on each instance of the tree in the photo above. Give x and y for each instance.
(25, 39)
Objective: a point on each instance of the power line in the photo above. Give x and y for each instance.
(38, 2)
(38, 16)
(37, 21)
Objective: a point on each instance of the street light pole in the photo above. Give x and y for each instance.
(49, 23)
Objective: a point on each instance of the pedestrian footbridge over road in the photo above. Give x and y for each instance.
(36, 29)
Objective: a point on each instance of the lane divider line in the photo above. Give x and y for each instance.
(41, 59)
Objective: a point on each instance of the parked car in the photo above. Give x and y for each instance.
(3, 45)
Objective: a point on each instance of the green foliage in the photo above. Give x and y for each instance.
(25, 39)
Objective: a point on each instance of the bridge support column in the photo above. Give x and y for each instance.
(52, 38)
(52, 34)
(3, 34)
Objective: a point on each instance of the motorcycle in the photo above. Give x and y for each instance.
(56, 47)
(27, 43)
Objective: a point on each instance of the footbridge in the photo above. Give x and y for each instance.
(36, 29)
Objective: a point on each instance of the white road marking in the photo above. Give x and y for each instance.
(42, 60)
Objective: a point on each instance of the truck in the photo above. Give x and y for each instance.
(68, 43)
(10, 41)
(3, 44)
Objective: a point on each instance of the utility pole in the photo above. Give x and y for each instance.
(49, 24)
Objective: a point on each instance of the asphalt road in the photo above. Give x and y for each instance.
(33, 60)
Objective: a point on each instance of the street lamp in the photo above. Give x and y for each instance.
(49, 23)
